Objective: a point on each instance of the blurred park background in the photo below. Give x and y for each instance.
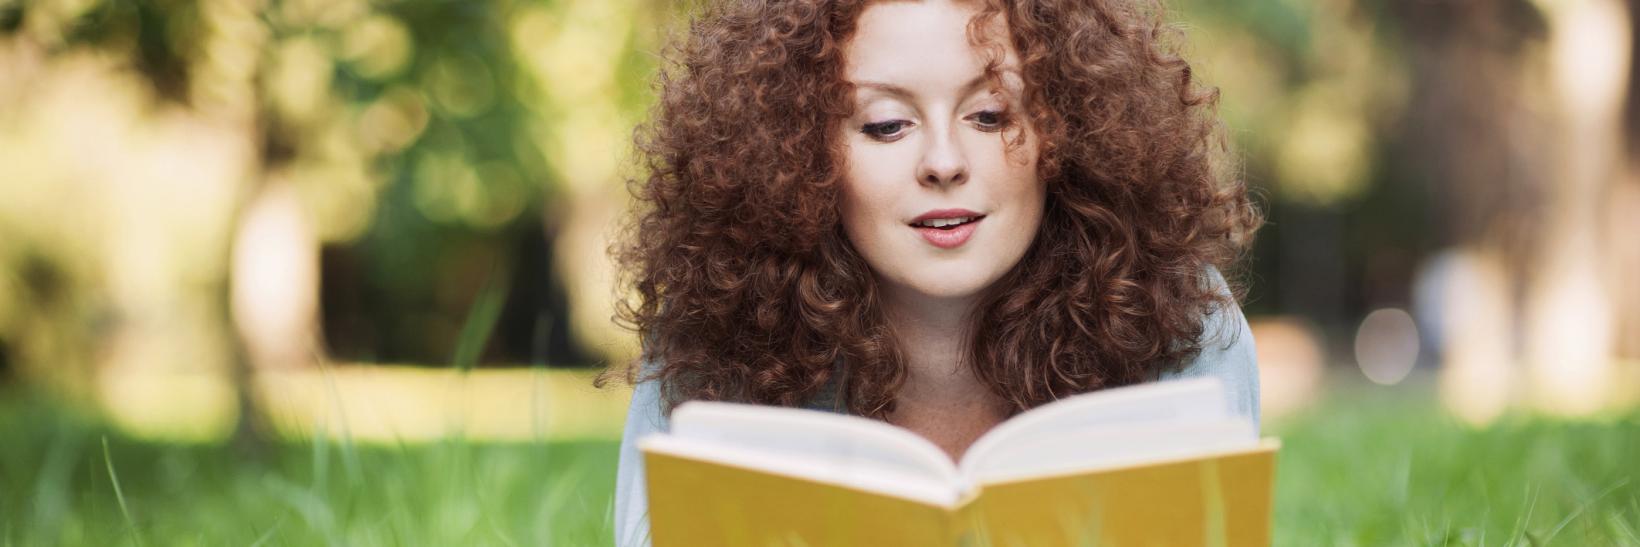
(334, 271)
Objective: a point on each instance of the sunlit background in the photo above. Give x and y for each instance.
(386, 220)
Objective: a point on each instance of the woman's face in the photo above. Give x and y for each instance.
(933, 198)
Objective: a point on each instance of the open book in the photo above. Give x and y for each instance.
(1162, 463)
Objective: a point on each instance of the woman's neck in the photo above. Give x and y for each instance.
(931, 333)
(941, 398)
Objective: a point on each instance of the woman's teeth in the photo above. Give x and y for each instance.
(943, 222)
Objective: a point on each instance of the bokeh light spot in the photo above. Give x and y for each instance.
(377, 47)
(461, 85)
(1386, 345)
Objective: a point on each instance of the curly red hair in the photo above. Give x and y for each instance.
(746, 289)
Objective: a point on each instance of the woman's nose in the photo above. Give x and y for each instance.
(943, 162)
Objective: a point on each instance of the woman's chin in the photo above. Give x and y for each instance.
(945, 288)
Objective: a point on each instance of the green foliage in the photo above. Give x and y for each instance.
(425, 140)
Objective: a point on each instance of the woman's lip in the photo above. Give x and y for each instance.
(949, 238)
(944, 213)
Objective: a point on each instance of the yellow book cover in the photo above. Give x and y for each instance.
(1160, 464)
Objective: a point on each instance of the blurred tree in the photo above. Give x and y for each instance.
(118, 187)
(423, 145)
(1310, 92)
(1627, 198)
(1464, 140)
(1571, 321)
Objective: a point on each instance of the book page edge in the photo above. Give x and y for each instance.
(910, 442)
(666, 445)
(1267, 444)
(1114, 396)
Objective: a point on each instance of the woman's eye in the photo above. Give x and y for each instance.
(884, 131)
(990, 120)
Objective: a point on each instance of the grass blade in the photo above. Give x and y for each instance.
(1581, 508)
(481, 319)
(269, 534)
(119, 494)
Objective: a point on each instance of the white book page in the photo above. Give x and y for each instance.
(1142, 405)
(847, 450)
(1114, 446)
(817, 469)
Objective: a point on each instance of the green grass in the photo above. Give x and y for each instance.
(1373, 466)
(1381, 466)
(58, 488)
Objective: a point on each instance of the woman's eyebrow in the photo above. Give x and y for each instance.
(901, 91)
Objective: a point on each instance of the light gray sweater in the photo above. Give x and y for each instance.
(1227, 352)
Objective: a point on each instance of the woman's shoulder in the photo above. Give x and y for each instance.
(1227, 352)
(646, 415)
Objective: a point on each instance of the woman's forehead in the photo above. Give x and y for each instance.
(908, 45)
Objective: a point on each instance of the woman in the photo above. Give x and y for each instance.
(934, 213)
